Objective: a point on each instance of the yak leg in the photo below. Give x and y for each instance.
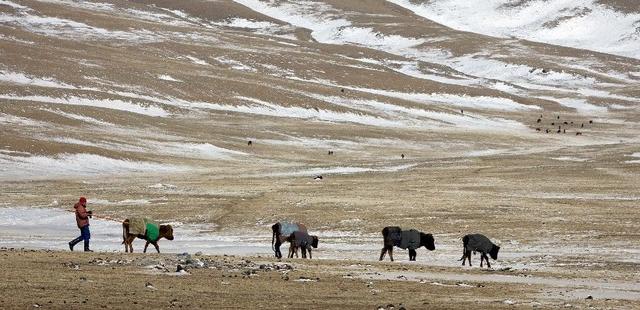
(310, 253)
(145, 247)
(128, 243)
(304, 252)
(469, 257)
(391, 253)
(412, 254)
(292, 249)
(486, 258)
(155, 244)
(382, 253)
(481, 259)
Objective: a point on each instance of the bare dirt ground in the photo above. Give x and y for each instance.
(58, 280)
(564, 238)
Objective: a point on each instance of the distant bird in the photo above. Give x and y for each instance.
(558, 116)
(250, 143)
(553, 124)
(547, 130)
(590, 121)
(402, 156)
(582, 125)
(566, 123)
(559, 131)
(578, 133)
(538, 129)
(342, 90)
(318, 177)
(539, 120)
(461, 111)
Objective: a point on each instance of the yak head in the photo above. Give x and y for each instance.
(314, 242)
(166, 231)
(494, 252)
(427, 241)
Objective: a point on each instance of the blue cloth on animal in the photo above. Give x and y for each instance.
(410, 239)
(287, 228)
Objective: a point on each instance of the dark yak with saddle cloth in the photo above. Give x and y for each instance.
(144, 227)
(410, 239)
(404, 239)
(281, 231)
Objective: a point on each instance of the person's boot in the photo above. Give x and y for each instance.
(73, 242)
(86, 246)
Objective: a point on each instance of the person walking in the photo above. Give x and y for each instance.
(82, 219)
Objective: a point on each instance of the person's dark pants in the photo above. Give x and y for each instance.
(85, 235)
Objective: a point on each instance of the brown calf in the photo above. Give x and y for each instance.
(166, 231)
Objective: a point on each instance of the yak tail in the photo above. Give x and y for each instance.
(465, 241)
(464, 253)
(273, 241)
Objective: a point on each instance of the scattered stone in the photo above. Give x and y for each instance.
(37, 305)
(150, 286)
(589, 297)
(509, 302)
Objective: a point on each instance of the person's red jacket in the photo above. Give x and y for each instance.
(82, 216)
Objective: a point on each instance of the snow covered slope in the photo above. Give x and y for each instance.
(155, 86)
(587, 24)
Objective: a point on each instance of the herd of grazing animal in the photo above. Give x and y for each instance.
(392, 236)
(559, 124)
(300, 240)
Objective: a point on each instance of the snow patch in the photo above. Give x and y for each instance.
(63, 165)
(197, 150)
(23, 79)
(197, 60)
(569, 158)
(99, 103)
(234, 64)
(166, 77)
